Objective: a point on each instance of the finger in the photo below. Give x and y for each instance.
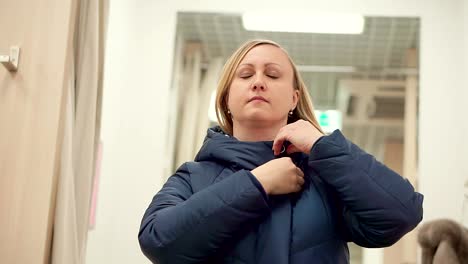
(299, 172)
(297, 188)
(300, 181)
(292, 149)
(278, 142)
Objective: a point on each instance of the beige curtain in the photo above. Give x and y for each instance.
(193, 100)
(81, 134)
(208, 85)
(174, 113)
(188, 101)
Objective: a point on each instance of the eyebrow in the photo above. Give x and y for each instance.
(266, 64)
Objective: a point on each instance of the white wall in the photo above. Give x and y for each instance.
(442, 71)
(133, 127)
(464, 97)
(137, 80)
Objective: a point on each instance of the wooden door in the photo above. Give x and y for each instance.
(31, 108)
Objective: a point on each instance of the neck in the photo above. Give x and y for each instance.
(256, 131)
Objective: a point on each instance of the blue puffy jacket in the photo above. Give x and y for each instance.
(214, 210)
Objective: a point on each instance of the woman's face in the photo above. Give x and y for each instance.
(262, 87)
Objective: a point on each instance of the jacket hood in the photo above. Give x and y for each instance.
(223, 148)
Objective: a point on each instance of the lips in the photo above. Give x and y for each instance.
(258, 98)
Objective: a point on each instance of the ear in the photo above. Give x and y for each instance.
(295, 98)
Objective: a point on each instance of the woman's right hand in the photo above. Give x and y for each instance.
(279, 176)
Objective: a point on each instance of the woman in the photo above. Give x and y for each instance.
(268, 186)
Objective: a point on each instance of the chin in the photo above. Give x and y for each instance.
(261, 117)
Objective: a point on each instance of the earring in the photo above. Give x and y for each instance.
(291, 113)
(229, 112)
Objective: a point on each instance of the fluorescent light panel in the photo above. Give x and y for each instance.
(304, 23)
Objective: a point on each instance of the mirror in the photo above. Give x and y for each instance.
(369, 79)
(364, 84)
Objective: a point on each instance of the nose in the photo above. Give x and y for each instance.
(258, 84)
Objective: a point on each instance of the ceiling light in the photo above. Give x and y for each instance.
(304, 23)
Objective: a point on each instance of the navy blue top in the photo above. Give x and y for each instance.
(213, 210)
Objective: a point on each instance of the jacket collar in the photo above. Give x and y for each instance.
(222, 148)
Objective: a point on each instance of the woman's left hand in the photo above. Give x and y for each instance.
(301, 134)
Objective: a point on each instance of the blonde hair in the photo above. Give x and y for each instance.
(304, 109)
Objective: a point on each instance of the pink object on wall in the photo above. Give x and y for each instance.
(97, 172)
